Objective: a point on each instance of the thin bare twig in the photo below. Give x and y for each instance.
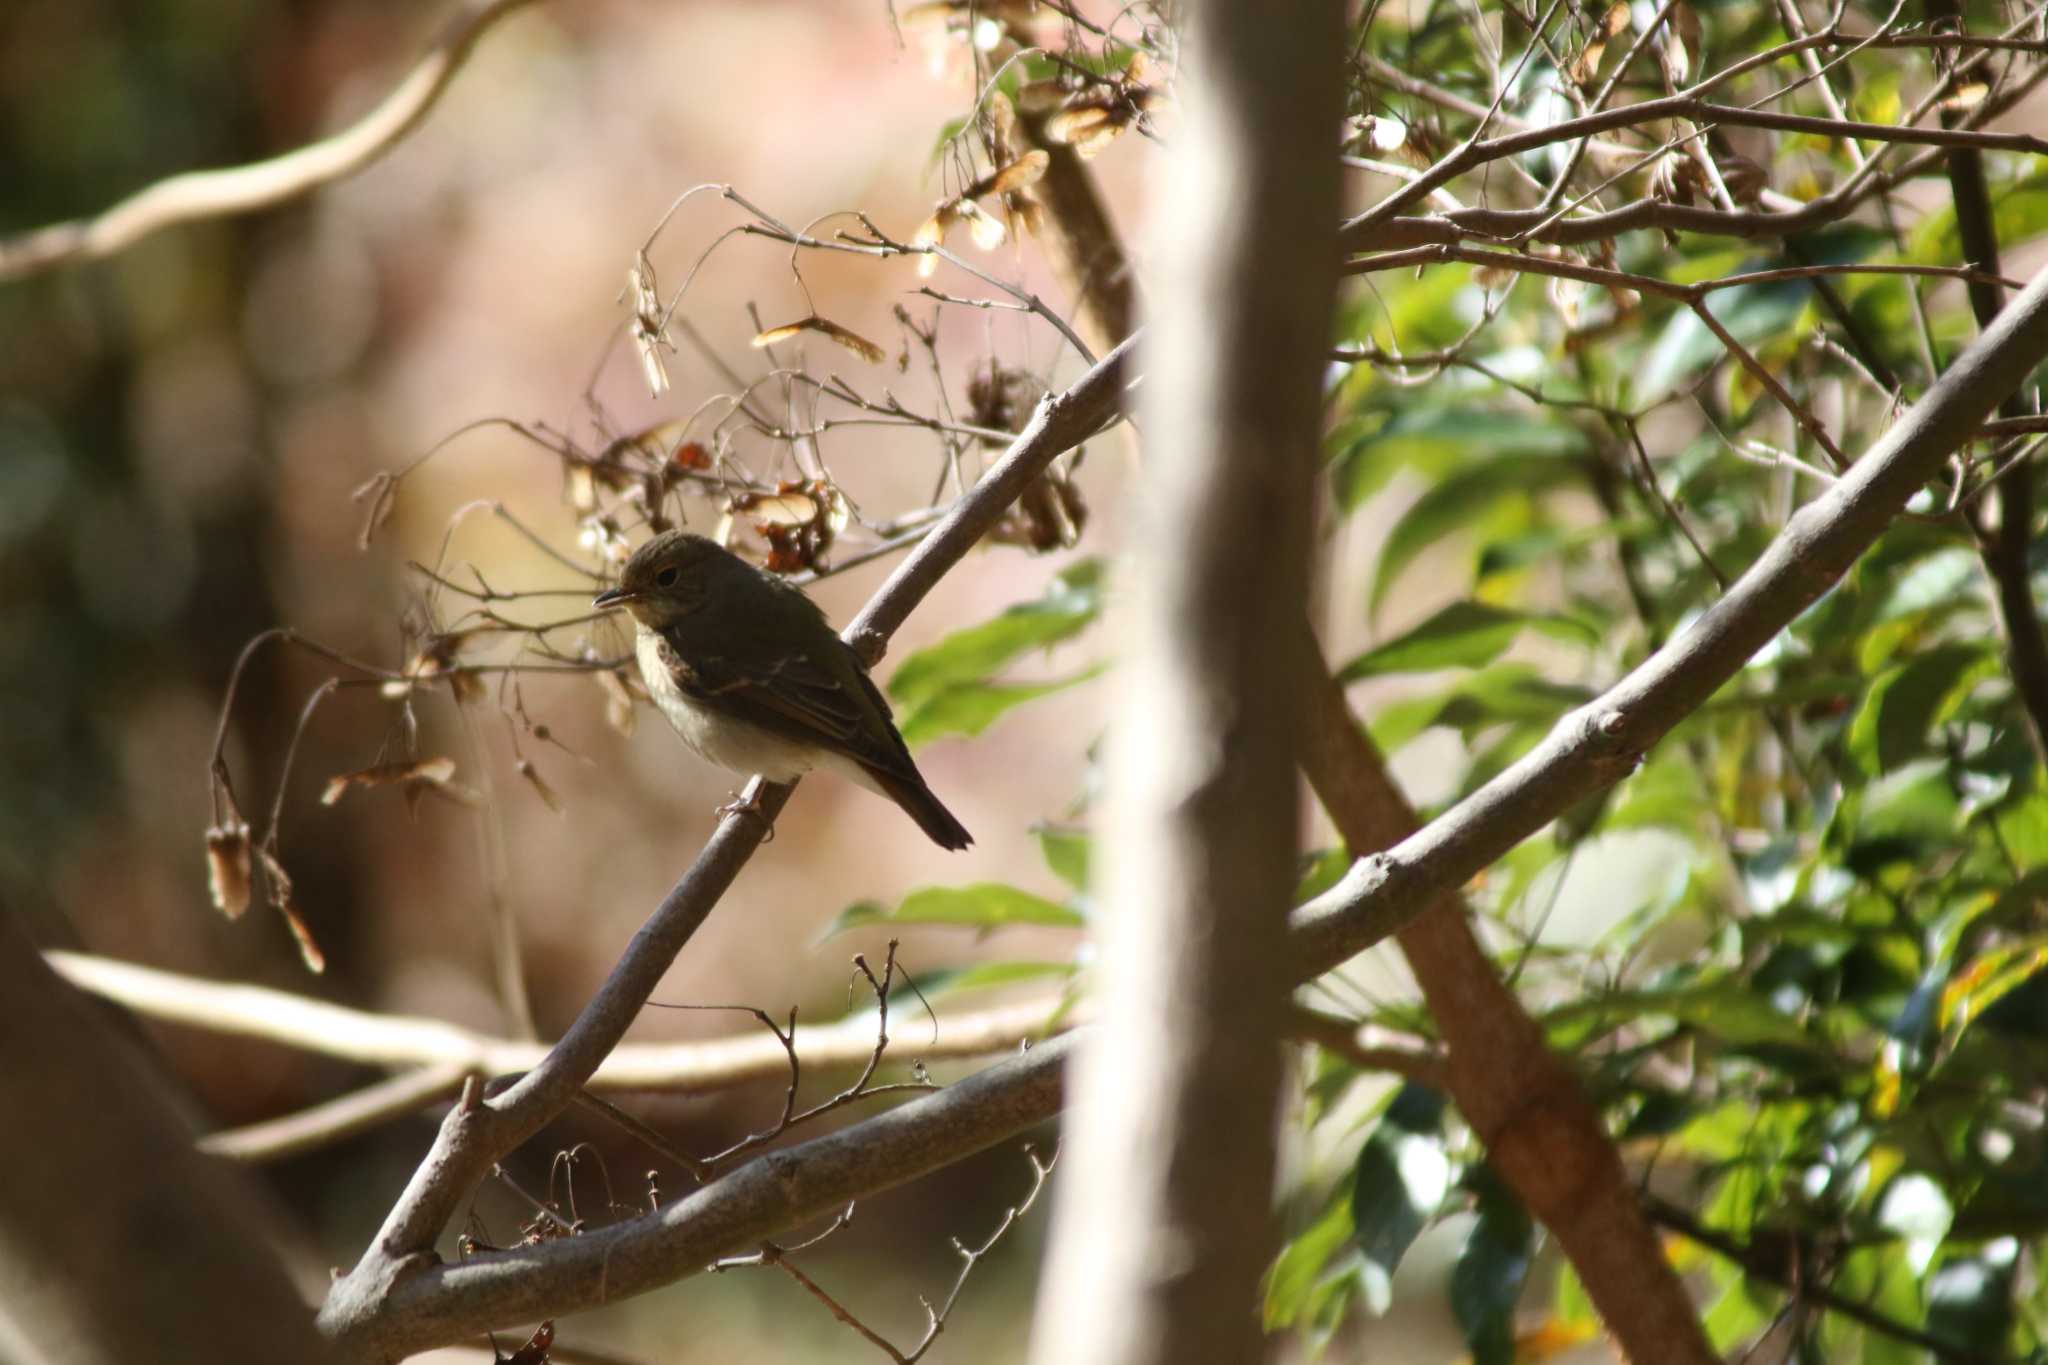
(936, 1317)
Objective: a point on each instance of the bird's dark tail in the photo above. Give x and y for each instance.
(920, 805)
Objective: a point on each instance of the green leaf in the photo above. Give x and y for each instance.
(1507, 693)
(1914, 805)
(2023, 830)
(971, 655)
(1360, 466)
(1319, 871)
(1067, 852)
(1462, 635)
(949, 688)
(1932, 587)
(2018, 211)
(1752, 314)
(988, 975)
(1459, 502)
(1743, 1309)
(970, 708)
(1399, 1181)
(1397, 1185)
(1908, 701)
(1432, 440)
(1291, 1282)
(1969, 1302)
(948, 130)
(1734, 1011)
(1570, 1303)
(1666, 793)
(984, 905)
(1878, 1276)
(1990, 977)
(1491, 1270)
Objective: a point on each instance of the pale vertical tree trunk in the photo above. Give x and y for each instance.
(1164, 1218)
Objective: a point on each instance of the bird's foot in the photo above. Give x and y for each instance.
(748, 805)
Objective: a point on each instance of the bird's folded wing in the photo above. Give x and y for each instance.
(796, 697)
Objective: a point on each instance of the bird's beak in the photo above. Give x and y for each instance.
(613, 597)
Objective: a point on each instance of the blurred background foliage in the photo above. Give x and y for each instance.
(1797, 954)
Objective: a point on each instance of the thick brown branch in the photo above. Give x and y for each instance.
(1541, 1132)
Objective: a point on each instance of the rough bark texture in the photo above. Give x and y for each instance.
(1163, 1226)
(118, 1242)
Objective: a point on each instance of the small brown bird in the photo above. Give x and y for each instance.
(752, 676)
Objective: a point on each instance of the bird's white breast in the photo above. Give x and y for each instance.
(732, 744)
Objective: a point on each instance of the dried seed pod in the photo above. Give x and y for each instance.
(795, 524)
(279, 884)
(412, 778)
(229, 874)
(852, 341)
(650, 336)
(524, 767)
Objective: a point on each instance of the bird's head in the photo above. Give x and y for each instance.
(668, 577)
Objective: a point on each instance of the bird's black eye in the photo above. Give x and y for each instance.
(667, 577)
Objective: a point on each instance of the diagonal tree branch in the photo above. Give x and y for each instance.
(1523, 1101)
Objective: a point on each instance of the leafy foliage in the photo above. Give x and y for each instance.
(950, 688)
(1823, 1017)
